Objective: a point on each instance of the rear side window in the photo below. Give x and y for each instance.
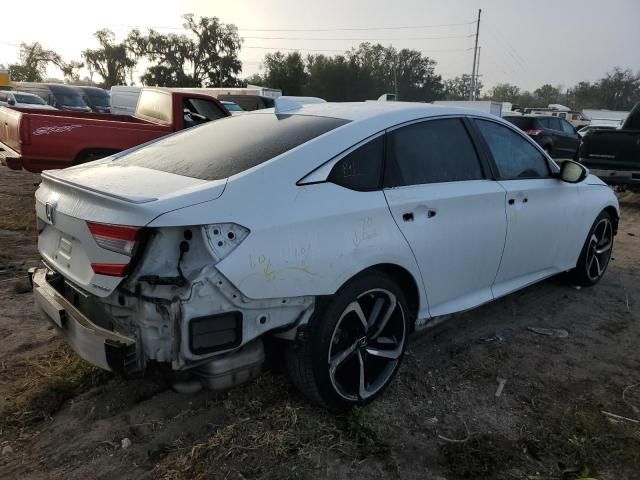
(515, 157)
(231, 145)
(431, 152)
(361, 169)
(155, 106)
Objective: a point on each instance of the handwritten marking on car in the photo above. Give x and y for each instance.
(57, 129)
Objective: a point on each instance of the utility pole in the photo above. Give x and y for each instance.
(395, 79)
(475, 54)
(475, 87)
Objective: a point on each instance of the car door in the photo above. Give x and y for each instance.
(543, 213)
(572, 138)
(561, 142)
(451, 215)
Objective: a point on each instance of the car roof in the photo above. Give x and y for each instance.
(25, 93)
(394, 112)
(87, 89)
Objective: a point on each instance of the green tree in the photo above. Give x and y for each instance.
(34, 60)
(112, 61)
(619, 89)
(458, 88)
(504, 92)
(206, 56)
(286, 72)
(547, 94)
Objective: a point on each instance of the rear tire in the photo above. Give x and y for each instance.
(596, 252)
(353, 345)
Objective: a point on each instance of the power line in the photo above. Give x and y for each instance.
(360, 39)
(335, 29)
(259, 47)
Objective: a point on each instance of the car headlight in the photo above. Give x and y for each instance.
(223, 238)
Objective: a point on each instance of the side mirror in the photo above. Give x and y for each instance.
(573, 172)
(11, 101)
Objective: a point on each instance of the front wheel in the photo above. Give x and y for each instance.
(353, 346)
(596, 252)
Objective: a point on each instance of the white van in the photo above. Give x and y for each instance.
(124, 99)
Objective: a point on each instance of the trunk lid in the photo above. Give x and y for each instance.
(105, 193)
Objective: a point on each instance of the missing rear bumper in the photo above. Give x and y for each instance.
(103, 348)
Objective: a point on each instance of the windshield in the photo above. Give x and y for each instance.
(70, 100)
(30, 99)
(99, 100)
(231, 145)
(232, 107)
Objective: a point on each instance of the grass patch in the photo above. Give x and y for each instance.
(17, 212)
(42, 385)
(271, 432)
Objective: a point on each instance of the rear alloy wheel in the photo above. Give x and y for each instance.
(352, 348)
(596, 252)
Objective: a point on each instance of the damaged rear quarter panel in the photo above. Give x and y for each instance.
(304, 240)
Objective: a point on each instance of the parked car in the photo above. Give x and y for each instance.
(556, 136)
(39, 141)
(62, 97)
(577, 119)
(614, 155)
(124, 99)
(23, 100)
(335, 229)
(234, 108)
(96, 98)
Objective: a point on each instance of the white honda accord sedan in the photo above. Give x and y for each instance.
(334, 230)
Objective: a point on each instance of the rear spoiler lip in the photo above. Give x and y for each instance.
(136, 199)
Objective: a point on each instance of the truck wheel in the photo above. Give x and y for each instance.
(596, 252)
(353, 345)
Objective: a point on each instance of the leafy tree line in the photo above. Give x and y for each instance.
(363, 73)
(206, 54)
(618, 89)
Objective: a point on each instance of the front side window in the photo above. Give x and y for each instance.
(567, 127)
(202, 109)
(555, 124)
(362, 168)
(431, 152)
(514, 156)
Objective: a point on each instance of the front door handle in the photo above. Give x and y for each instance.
(431, 213)
(407, 217)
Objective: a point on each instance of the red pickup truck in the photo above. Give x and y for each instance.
(38, 140)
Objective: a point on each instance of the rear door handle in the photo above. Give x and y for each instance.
(407, 217)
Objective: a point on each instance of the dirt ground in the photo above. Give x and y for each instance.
(441, 419)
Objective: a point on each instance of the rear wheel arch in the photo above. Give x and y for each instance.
(402, 277)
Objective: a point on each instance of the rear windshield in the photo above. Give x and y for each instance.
(523, 123)
(231, 145)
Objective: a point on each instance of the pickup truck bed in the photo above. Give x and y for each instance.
(35, 140)
(614, 155)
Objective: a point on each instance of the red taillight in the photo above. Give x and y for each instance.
(110, 269)
(117, 238)
(533, 132)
